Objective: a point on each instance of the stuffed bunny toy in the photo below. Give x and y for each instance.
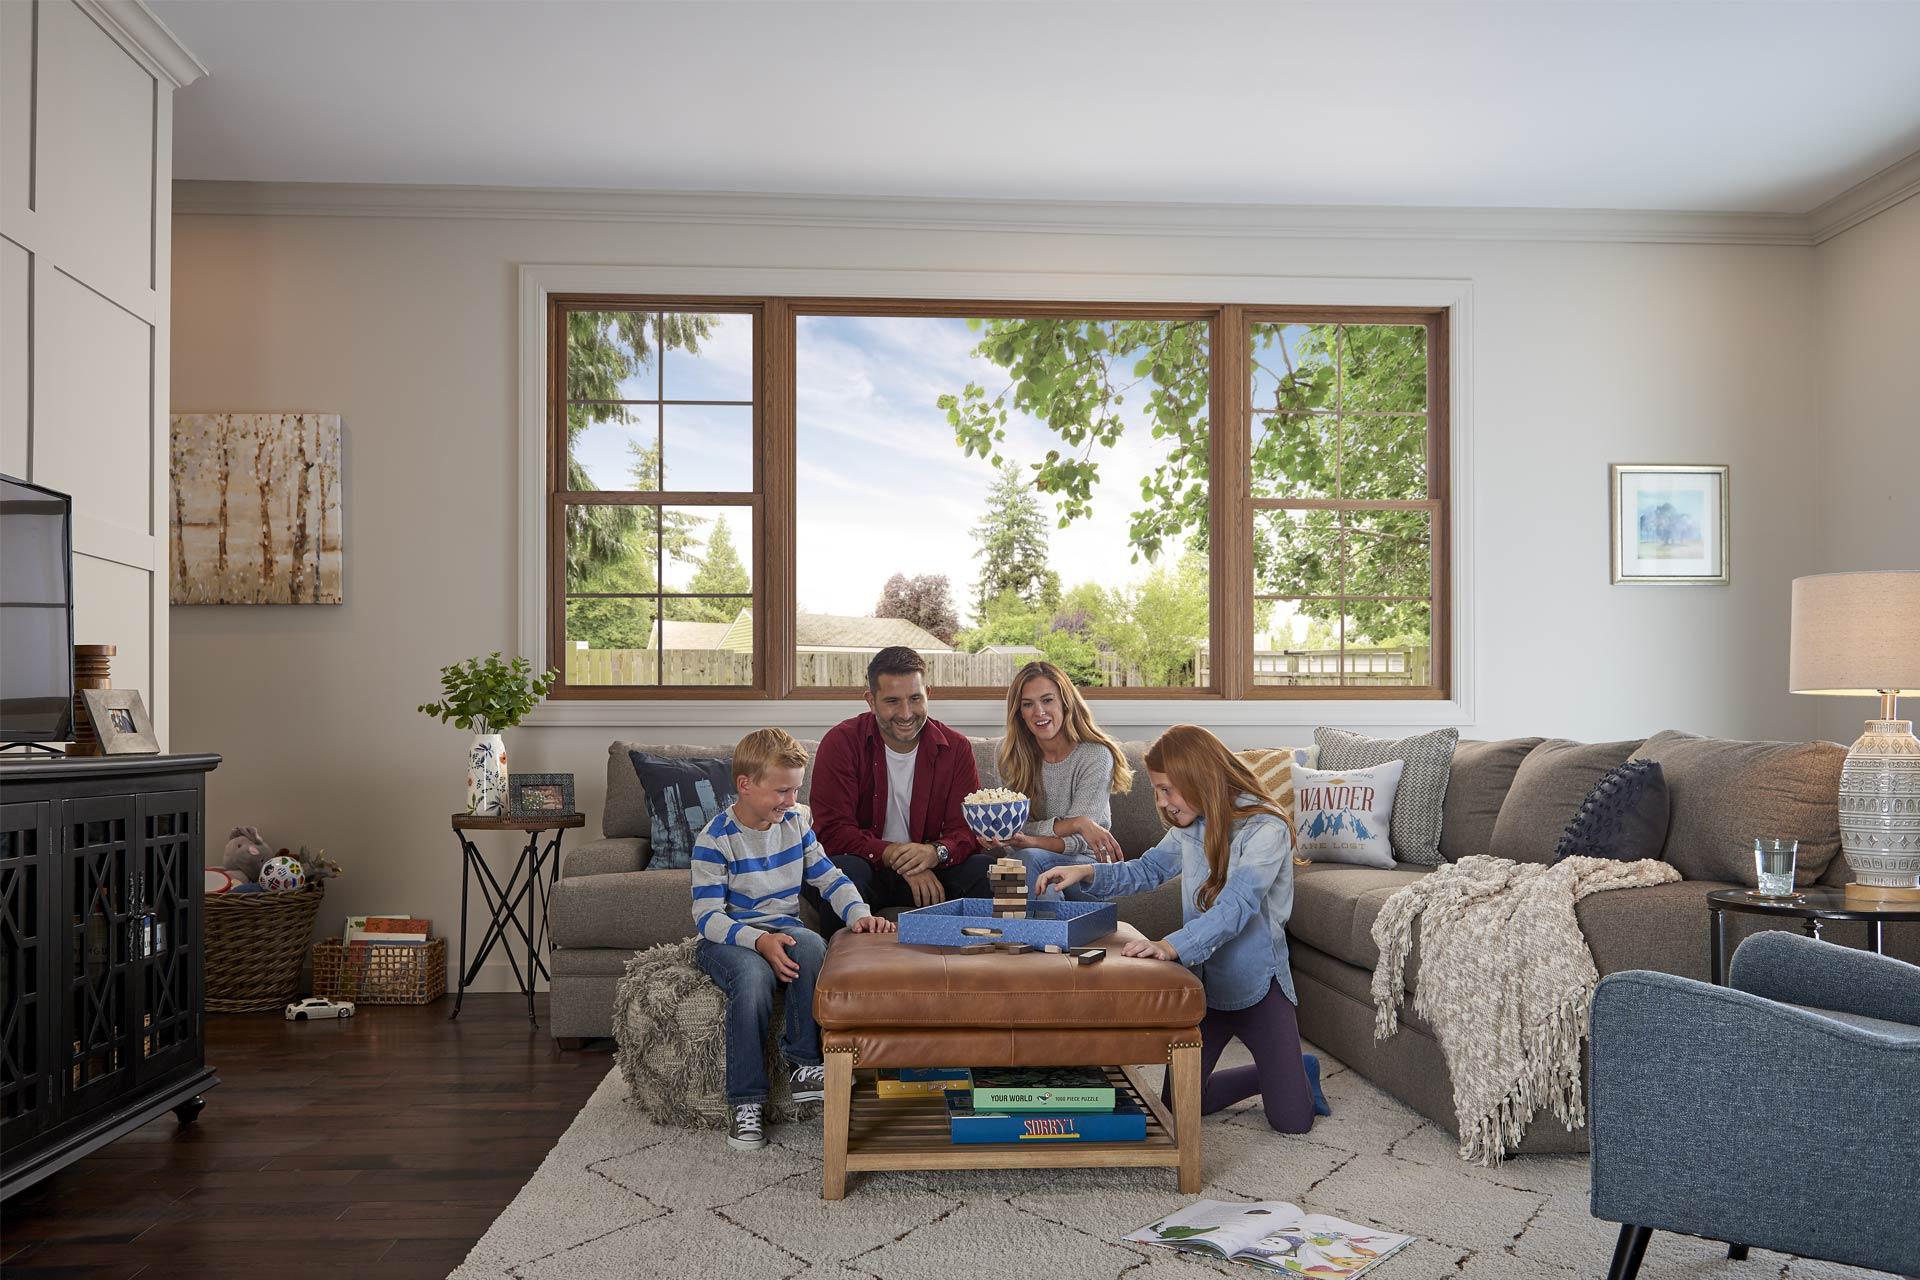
(246, 850)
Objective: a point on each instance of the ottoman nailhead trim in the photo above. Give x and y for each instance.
(1181, 1044)
(855, 1051)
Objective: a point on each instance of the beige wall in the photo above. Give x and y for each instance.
(1866, 425)
(86, 161)
(1583, 354)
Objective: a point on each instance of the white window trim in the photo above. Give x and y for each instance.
(537, 281)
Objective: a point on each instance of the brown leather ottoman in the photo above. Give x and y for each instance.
(881, 1004)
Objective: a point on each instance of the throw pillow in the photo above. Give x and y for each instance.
(1624, 817)
(1273, 768)
(1344, 815)
(1423, 788)
(683, 794)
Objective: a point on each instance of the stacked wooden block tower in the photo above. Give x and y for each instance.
(1008, 876)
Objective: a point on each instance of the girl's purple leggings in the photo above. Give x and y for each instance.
(1272, 1034)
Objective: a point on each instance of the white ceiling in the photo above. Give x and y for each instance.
(1754, 107)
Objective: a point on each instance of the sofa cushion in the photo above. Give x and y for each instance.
(1547, 790)
(1334, 906)
(684, 794)
(1481, 774)
(1624, 817)
(1136, 821)
(1726, 793)
(1423, 787)
(1658, 926)
(624, 909)
(1273, 768)
(625, 813)
(1344, 815)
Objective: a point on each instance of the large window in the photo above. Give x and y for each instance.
(752, 496)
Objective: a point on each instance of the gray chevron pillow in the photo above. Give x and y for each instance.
(1415, 832)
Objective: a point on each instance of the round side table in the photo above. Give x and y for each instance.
(1812, 907)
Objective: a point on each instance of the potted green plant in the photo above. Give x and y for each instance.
(488, 697)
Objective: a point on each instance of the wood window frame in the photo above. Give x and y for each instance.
(774, 498)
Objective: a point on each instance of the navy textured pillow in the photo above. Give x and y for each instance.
(1624, 817)
(683, 794)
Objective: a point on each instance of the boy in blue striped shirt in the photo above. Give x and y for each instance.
(748, 864)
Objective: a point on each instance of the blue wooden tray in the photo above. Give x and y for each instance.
(1048, 923)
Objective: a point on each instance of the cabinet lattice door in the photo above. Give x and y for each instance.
(27, 1014)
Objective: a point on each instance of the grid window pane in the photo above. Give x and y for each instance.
(708, 448)
(611, 355)
(613, 447)
(1387, 553)
(1294, 456)
(1383, 458)
(1383, 368)
(708, 356)
(708, 551)
(1395, 650)
(612, 549)
(706, 641)
(608, 641)
(1296, 553)
(1293, 367)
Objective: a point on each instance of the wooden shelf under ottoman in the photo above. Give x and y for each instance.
(881, 1004)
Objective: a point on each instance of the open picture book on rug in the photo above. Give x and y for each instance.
(1274, 1236)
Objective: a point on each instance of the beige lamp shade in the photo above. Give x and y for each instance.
(1855, 633)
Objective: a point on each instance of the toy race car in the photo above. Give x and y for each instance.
(314, 1007)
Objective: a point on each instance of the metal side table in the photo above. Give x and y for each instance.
(503, 901)
(1813, 907)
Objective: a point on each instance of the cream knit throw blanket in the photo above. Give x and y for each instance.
(1506, 980)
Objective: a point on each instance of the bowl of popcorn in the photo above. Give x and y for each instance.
(995, 813)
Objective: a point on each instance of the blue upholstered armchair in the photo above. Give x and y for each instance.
(1782, 1112)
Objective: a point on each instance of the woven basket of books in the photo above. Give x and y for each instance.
(254, 947)
(376, 973)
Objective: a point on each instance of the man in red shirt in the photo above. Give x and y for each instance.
(886, 795)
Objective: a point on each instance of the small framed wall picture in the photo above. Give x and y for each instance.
(539, 795)
(1670, 524)
(120, 722)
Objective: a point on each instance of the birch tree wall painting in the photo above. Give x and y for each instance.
(256, 508)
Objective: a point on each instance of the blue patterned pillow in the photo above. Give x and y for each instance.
(1624, 817)
(683, 794)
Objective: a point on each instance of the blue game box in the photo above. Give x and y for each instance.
(1048, 923)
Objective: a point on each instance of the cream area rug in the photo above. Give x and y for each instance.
(620, 1197)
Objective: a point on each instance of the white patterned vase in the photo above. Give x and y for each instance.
(487, 776)
(1880, 805)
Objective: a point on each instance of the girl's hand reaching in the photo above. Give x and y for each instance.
(1061, 877)
(1147, 949)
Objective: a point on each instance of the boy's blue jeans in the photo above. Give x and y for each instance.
(748, 981)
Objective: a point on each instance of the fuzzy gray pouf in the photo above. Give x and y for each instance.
(623, 1197)
(669, 1020)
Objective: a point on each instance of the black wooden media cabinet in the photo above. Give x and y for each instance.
(101, 876)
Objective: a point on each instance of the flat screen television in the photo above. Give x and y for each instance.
(36, 613)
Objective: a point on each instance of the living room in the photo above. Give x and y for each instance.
(959, 387)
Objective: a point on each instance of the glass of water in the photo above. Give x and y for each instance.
(1773, 864)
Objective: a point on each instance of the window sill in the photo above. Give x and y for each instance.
(1123, 717)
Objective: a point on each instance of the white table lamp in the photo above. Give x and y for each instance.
(1857, 635)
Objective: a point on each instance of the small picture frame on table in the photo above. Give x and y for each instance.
(539, 795)
(1670, 524)
(121, 723)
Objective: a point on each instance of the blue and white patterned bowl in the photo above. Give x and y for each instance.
(996, 821)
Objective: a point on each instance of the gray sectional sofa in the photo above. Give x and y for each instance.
(1509, 798)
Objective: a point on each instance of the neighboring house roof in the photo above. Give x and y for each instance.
(829, 632)
(1018, 650)
(689, 635)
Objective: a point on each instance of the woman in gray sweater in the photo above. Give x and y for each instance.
(1056, 756)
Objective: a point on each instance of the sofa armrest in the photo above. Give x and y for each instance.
(604, 857)
(1782, 966)
(1712, 1115)
(624, 910)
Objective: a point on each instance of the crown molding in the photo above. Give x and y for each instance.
(1885, 189)
(1223, 221)
(139, 31)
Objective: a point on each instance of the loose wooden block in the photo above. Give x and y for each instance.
(1011, 948)
(1088, 955)
(1053, 950)
(976, 949)
(980, 931)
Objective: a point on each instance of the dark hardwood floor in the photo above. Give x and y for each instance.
(378, 1148)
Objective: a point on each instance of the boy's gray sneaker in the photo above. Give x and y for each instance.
(743, 1131)
(809, 1084)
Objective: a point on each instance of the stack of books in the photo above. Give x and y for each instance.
(1043, 1104)
(387, 931)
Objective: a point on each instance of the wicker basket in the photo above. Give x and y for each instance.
(380, 973)
(255, 945)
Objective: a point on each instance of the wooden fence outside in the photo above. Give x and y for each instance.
(692, 667)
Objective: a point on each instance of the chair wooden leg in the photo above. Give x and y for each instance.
(1736, 1253)
(1628, 1250)
(833, 1176)
(1184, 1067)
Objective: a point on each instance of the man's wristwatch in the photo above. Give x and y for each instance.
(940, 855)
